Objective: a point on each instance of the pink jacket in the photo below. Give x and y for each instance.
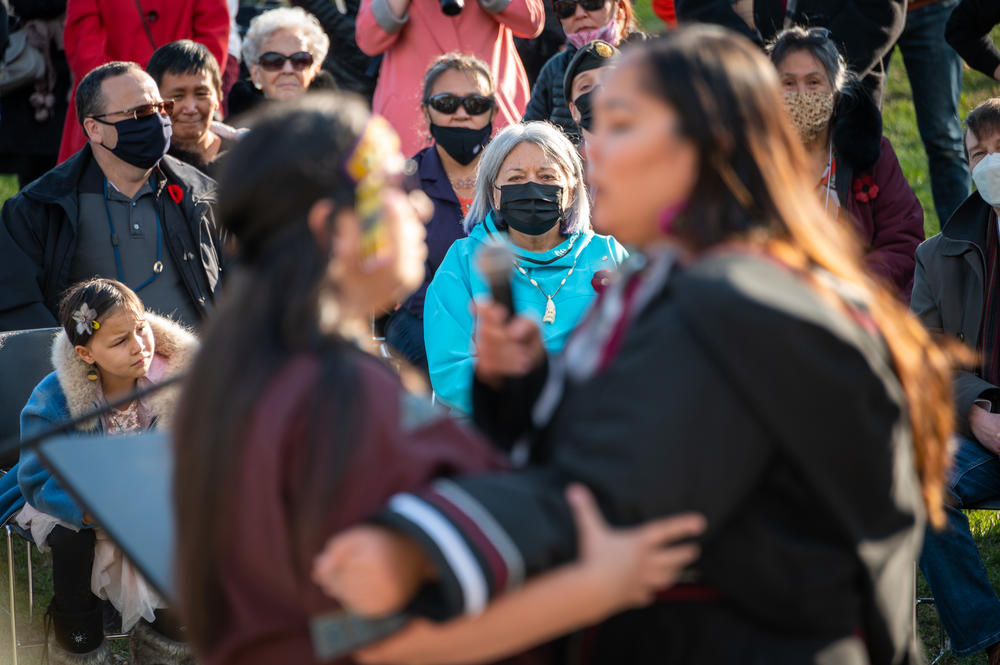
(485, 28)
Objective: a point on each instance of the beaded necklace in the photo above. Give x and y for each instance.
(550, 306)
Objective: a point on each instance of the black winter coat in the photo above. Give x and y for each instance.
(537, 51)
(789, 437)
(548, 96)
(948, 292)
(864, 30)
(20, 134)
(38, 237)
(968, 32)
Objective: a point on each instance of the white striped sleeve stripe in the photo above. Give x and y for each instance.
(490, 527)
(462, 562)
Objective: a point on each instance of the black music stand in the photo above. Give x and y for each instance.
(125, 483)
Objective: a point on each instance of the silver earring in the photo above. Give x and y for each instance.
(258, 85)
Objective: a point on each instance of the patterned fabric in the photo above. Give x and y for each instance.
(126, 420)
(810, 112)
(991, 300)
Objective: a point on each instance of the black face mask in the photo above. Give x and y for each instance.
(583, 105)
(462, 143)
(143, 142)
(531, 208)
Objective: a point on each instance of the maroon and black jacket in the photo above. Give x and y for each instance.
(401, 443)
(788, 435)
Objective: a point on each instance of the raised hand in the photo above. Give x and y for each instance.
(505, 347)
(371, 570)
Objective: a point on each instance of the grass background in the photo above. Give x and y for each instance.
(900, 127)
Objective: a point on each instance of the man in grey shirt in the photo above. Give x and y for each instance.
(119, 208)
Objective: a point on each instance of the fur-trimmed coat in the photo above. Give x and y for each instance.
(874, 193)
(67, 393)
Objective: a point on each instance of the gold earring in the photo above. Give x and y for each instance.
(92, 374)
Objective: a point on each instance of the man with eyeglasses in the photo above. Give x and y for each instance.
(119, 208)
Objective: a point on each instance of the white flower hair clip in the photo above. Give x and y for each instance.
(86, 320)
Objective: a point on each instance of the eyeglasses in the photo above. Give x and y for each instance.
(449, 103)
(165, 107)
(566, 8)
(273, 62)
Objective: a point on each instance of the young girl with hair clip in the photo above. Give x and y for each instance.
(109, 346)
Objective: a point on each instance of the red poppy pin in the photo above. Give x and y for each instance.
(600, 280)
(865, 189)
(176, 193)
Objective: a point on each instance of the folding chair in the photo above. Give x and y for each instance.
(24, 362)
(25, 359)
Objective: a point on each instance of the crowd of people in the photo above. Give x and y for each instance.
(718, 399)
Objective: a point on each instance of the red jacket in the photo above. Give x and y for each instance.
(100, 31)
(665, 10)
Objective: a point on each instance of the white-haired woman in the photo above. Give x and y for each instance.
(283, 50)
(531, 196)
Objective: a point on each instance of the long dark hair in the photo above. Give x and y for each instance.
(293, 157)
(753, 184)
(103, 297)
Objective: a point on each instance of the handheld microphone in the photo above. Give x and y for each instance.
(495, 262)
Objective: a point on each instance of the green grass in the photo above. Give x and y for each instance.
(32, 630)
(900, 126)
(649, 21)
(8, 187)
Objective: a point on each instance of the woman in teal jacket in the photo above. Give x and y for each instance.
(530, 196)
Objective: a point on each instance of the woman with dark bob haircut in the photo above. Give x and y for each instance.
(744, 366)
(288, 432)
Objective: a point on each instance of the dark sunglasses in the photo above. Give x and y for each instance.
(273, 62)
(566, 8)
(448, 103)
(165, 107)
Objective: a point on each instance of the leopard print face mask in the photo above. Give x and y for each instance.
(810, 112)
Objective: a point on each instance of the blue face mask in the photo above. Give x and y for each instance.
(142, 142)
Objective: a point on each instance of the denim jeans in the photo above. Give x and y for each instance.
(967, 604)
(935, 73)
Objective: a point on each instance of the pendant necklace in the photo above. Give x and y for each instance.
(550, 305)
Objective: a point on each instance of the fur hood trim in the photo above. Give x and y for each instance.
(173, 341)
(857, 128)
(228, 132)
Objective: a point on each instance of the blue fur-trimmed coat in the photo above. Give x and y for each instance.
(67, 393)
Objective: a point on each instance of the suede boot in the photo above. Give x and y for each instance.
(147, 646)
(77, 638)
(60, 656)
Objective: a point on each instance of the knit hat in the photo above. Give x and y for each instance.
(591, 56)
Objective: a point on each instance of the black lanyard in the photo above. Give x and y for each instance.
(157, 265)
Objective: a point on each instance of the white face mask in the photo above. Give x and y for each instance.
(986, 175)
